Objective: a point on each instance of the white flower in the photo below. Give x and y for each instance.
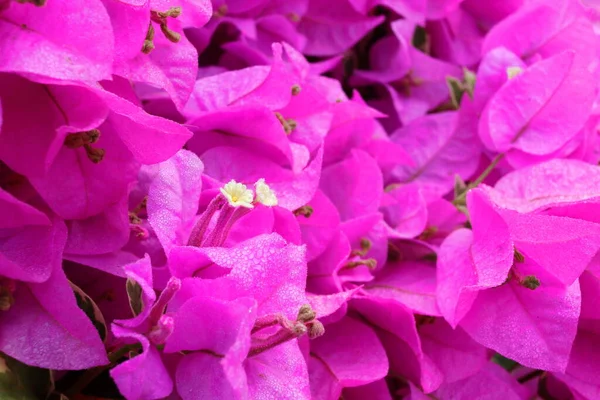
(264, 194)
(237, 194)
(511, 72)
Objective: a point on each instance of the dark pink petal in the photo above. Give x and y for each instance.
(332, 28)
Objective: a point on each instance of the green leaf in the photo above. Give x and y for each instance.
(455, 87)
(458, 87)
(89, 307)
(23, 382)
(134, 292)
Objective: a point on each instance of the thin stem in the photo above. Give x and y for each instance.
(487, 171)
(461, 199)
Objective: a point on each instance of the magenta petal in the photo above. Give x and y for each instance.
(16, 213)
(456, 276)
(112, 225)
(222, 375)
(227, 127)
(319, 231)
(549, 27)
(140, 272)
(325, 305)
(377, 390)
(215, 325)
(173, 198)
(85, 188)
(490, 381)
(404, 209)
(452, 350)
(562, 246)
(279, 373)
(37, 119)
(412, 283)
(533, 327)
(201, 376)
(46, 316)
(352, 352)
(170, 66)
(268, 87)
(323, 383)
(297, 191)
(550, 86)
(400, 338)
(332, 28)
(130, 21)
(354, 185)
(28, 265)
(547, 184)
(61, 51)
(440, 147)
(143, 377)
(492, 251)
(150, 139)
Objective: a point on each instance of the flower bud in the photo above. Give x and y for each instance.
(531, 282)
(316, 329)
(306, 313)
(306, 211)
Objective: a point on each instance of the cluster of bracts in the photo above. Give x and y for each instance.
(299, 199)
